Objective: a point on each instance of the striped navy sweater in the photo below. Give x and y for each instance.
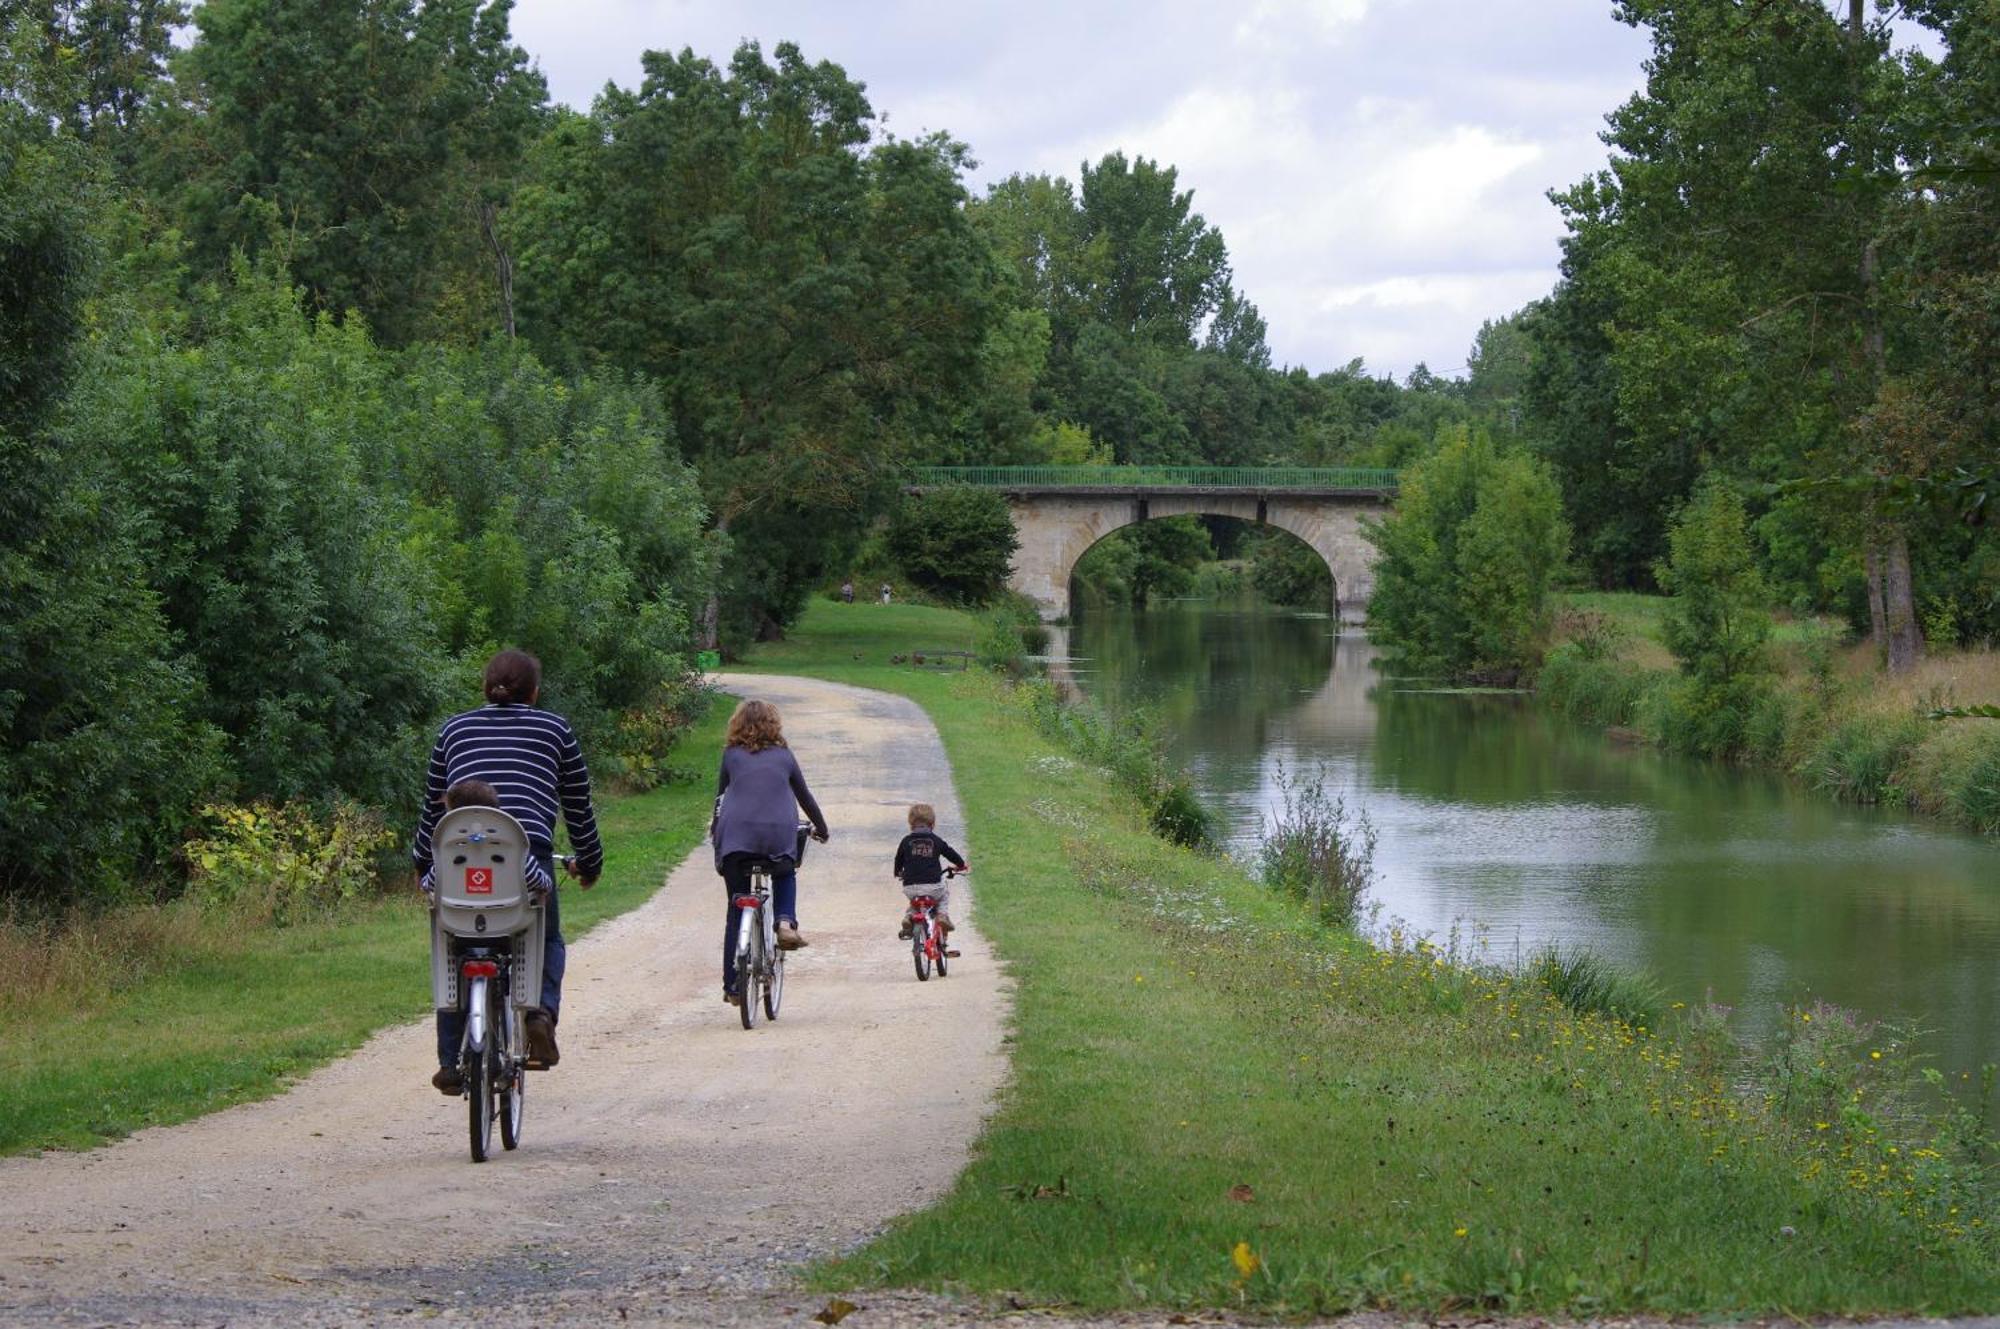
(531, 758)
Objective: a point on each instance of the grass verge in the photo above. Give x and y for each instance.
(209, 1014)
(1216, 1102)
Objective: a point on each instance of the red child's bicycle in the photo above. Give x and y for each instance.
(927, 936)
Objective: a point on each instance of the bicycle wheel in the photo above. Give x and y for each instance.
(513, 1092)
(479, 1101)
(774, 986)
(750, 968)
(943, 943)
(919, 951)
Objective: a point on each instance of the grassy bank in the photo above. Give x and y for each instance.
(1826, 716)
(158, 1014)
(1216, 1102)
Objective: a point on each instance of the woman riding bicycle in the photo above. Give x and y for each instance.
(759, 792)
(531, 759)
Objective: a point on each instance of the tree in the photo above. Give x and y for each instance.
(815, 310)
(1732, 260)
(99, 761)
(1467, 561)
(365, 143)
(957, 543)
(1717, 626)
(90, 65)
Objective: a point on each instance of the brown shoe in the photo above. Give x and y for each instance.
(789, 938)
(448, 1081)
(541, 1031)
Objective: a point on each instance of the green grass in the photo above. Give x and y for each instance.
(1412, 1134)
(241, 1016)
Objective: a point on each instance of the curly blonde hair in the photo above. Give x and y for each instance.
(755, 726)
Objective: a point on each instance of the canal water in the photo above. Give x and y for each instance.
(1518, 829)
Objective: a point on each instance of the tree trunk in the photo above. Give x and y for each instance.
(503, 264)
(711, 609)
(1906, 640)
(1878, 613)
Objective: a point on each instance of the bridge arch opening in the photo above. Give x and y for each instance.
(1193, 553)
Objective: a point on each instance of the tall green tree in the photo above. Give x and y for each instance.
(365, 144)
(815, 309)
(1467, 561)
(1732, 259)
(99, 759)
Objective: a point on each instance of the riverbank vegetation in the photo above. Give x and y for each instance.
(1218, 1101)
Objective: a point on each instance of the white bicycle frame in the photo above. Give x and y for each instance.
(760, 886)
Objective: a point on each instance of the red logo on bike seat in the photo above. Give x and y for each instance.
(479, 881)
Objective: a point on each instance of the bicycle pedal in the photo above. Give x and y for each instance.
(951, 955)
(530, 1064)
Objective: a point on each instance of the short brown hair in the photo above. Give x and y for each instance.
(471, 794)
(755, 726)
(513, 676)
(924, 815)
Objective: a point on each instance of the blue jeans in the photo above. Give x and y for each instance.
(736, 881)
(555, 957)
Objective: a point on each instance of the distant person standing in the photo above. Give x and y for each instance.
(847, 591)
(885, 592)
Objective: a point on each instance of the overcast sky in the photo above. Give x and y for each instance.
(1378, 167)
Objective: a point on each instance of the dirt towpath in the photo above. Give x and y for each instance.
(674, 1168)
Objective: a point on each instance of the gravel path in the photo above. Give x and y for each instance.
(674, 1169)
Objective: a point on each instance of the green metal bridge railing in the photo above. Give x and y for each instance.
(1369, 478)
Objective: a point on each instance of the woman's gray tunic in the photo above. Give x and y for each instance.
(761, 794)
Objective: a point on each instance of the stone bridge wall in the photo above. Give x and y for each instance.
(1056, 529)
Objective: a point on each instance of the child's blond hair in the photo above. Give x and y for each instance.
(923, 816)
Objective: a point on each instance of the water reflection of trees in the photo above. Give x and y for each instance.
(1754, 888)
(1216, 677)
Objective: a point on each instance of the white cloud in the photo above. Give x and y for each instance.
(1378, 166)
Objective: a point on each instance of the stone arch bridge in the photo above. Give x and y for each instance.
(1061, 511)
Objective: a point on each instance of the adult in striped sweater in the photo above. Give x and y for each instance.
(531, 759)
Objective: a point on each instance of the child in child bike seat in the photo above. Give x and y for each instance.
(479, 794)
(920, 861)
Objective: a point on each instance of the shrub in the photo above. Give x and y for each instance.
(1286, 571)
(281, 863)
(1012, 631)
(1862, 759)
(956, 542)
(1314, 851)
(1716, 625)
(646, 734)
(1596, 691)
(1588, 984)
(1467, 561)
(1956, 771)
(1685, 715)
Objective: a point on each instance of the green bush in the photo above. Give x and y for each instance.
(1955, 772)
(1467, 560)
(1862, 759)
(1286, 571)
(1312, 850)
(284, 863)
(1591, 690)
(956, 542)
(1590, 985)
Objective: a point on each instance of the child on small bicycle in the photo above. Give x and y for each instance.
(920, 861)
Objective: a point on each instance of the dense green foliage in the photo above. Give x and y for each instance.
(332, 354)
(1784, 277)
(956, 543)
(1468, 559)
